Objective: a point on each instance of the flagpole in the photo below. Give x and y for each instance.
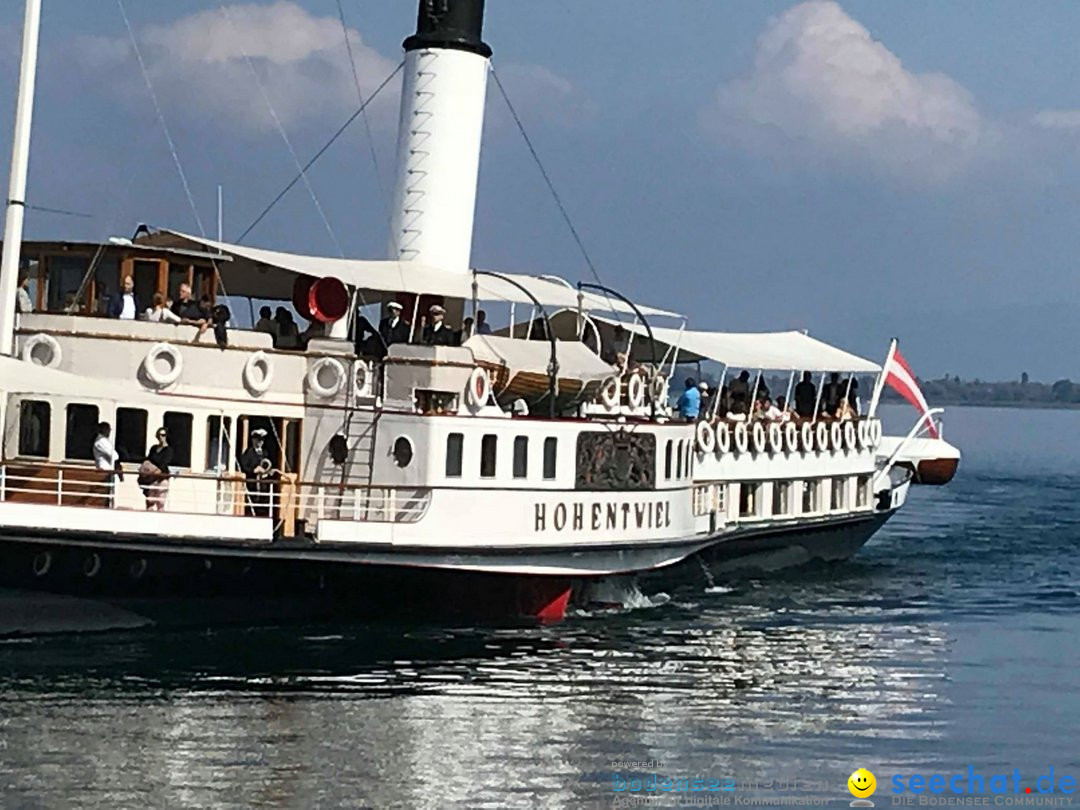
(881, 379)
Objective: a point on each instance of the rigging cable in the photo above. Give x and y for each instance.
(161, 118)
(318, 155)
(363, 107)
(551, 186)
(281, 130)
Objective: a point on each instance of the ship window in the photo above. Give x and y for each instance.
(678, 462)
(178, 426)
(218, 443)
(862, 491)
(82, 423)
(521, 457)
(748, 500)
(551, 451)
(489, 447)
(810, 497)
(131, 434)
(667, 460)
(837, 499)
(455, 442)
(403, 451)
(781, 497)
(34, 422)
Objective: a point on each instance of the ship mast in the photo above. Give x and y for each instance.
(20, 160)
(440, 131)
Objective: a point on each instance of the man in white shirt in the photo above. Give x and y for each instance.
(106, 458)
(125, 307)
(482, 326)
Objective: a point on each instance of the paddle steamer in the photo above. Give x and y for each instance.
(497, 476)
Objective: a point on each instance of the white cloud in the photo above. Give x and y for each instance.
(822, 85)
(200, 63)
(1058, 120)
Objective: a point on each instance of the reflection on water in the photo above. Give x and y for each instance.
(941, 640)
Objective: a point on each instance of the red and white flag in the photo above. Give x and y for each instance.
(899, 376)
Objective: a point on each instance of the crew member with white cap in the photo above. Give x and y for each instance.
(256, 465)
(393, 328)
(437, 333)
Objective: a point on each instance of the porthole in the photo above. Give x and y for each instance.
(403, 451)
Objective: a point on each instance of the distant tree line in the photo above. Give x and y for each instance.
(951, 390)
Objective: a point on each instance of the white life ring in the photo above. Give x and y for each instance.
(875, 432)
(609, 392)
(821, 437)
(706, 437)
(742, 437)
(863, 437)
(759, 437)
(836, 436)
(258, 373)
(163, 351)
(660, 389)
(361, 379)
(35, 343)
(476, 395)
(723, 438)
(315, 374)
(635, 390)
(791, 437)
(807, 437)
(776, 438)
(849, 435)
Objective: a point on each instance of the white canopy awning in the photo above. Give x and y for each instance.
(767, 351)
(576, 361)
(414, 278)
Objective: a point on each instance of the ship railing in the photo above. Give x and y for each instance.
(284, 498)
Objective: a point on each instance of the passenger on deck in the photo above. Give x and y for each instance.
(806, 396)
(482, 326)
(784, 408)
(266, 324)
(706, 399)
(465, 332)
(393, 328)
(315, 329)
(769, 411)
(853, 396)
(256, 466)
(288, 333)
(832, 394)
(437, 333)
(761, 388)
(154, 473)
(740, 393)
(159, 313)
(618, 353)
(689, 404)
(106, 458)
(187, 308)
(124, 306)
(22, 296)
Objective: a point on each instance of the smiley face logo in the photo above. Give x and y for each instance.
(862, 783)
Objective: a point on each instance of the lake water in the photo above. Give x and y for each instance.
(950, 641)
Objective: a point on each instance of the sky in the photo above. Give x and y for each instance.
(862, 170)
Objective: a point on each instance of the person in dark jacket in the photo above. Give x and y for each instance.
(805, 396)
(124, 305)
(437, 333)
(256, 465)
(154, 472)
(393, 328)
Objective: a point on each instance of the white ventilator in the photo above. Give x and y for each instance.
(444, 91)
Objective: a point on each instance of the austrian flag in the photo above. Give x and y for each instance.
(900, 377)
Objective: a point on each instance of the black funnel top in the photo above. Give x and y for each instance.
(456, 24)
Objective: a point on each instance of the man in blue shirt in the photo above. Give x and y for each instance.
(689, 403)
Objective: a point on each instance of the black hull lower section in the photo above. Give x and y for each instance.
(49, 586)
(774, 548)
(41, 584)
